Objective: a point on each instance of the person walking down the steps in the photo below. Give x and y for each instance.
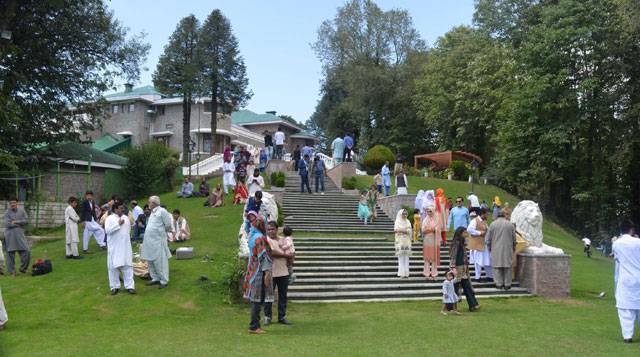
(338, 150)
(281, 254)
(363, 208)
(458, 216)
(372, 202)
(480, 255)
(416, 224)
(258, 283)
(319, 172)
(401, 183)
(297, 154)
(386, 178)
(442, 210)
(431, 244)
(459, 263)
(377, 180)
(449, 296)
(303, 170)
(402, 230)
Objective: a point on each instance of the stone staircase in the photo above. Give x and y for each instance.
(333, 212)
(364, 269)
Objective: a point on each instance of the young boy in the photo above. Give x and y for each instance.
(449, 296)
(287, 247)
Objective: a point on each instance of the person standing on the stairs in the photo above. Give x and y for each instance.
(458, 216)
(480, 255)
(349, 143)
(372, 202)
(442, 210)
(431, 245)
(338, 150)
(501, 243)
(459, 263)
(296, 157)
(319, 172)
(258, 284)
(280, 274)
(386, 178)
(402, 230)
(303, 171)
(279, 139)
(363, 208)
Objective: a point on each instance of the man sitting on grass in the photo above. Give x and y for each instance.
(179, 228)
(186, 190)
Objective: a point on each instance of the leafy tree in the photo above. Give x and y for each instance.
(62, 55)
(223, 69)
(150, 169)
(178, 72)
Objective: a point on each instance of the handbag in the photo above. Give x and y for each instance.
(41, 267)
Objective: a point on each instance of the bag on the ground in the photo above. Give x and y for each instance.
(184, 253)
(41, 267)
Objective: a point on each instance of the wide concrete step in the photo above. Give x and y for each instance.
(416, 272)
(414, 279)
(317, 296)
(362, 268)
(340, 239)
(398, 284)
(352, 247)
(351, 229)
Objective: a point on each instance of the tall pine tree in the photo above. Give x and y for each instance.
(178, 72)
(223, 69)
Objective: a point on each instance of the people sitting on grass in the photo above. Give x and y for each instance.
(449, 296)
(216, 198)
(71, 220)
(282, 252)
(459, 263)
(203, 189)
(141, 224)
(254, 202)
(363, 207)
(119, 252)
(179, 228)
(241, 194)
(256, 183)
(186, 190)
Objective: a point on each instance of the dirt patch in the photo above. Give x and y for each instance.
(188, 305)
(571, 301)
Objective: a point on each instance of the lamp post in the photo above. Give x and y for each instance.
(474, 168)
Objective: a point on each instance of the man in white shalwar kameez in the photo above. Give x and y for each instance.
(155, 249)
(3, 313)
(480, 258)
(71, 220)
(626, 250)
(228, 180)
(119, 252)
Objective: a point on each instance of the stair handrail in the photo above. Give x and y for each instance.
(329, 163)
(206, 166)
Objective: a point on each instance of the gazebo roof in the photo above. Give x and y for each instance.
(443, 159)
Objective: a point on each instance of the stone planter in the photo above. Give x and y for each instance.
(450, 177)
(545, 275)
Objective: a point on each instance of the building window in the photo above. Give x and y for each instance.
(206, 142)
(123, 108)
(207, 108)
(164, 140)
(114, 109)
(169, 126)
(161, 110)
(132, 107)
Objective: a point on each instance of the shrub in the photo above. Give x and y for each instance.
(232, 278)
(376, 157)
(349, 183)
(461, 170)
(280, 215)
(277, 179)
(150, 169)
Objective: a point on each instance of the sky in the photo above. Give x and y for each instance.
(275, 38)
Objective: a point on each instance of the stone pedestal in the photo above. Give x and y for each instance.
(343, 170)
(545, 275)
(277, 165)
(392, 204)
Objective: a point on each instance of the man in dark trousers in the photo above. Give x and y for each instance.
(89, 220)
(296, 157)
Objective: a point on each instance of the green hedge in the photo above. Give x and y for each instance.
(461, 170)
(376, 157)
(277, 179)
(349, 183)
(115, 184)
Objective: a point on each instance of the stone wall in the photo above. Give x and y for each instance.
(278, 165)
(50, 215)
(545, 275)
(344, 170)
(392, 204)
(73, 184)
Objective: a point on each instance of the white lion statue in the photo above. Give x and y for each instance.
(269, 210)
(528, 220)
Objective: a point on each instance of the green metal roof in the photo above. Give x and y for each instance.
(245, 116)
(146, 90)
(76, 151)
(111, 143)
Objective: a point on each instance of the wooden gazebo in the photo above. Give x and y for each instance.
(441, 160)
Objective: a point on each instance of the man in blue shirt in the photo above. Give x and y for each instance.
(348, 143)
(303, 171)
(459, 215)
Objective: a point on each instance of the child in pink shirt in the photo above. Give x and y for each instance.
(287, 247)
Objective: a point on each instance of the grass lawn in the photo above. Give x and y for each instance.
(70, 312)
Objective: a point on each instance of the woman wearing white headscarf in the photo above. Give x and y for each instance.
(419, 196)
(428, 200)
(402, 230)
(431, 227)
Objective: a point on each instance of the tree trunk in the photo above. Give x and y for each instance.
(186, 126)
(214, 114)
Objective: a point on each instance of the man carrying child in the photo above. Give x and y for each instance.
(282, 252)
